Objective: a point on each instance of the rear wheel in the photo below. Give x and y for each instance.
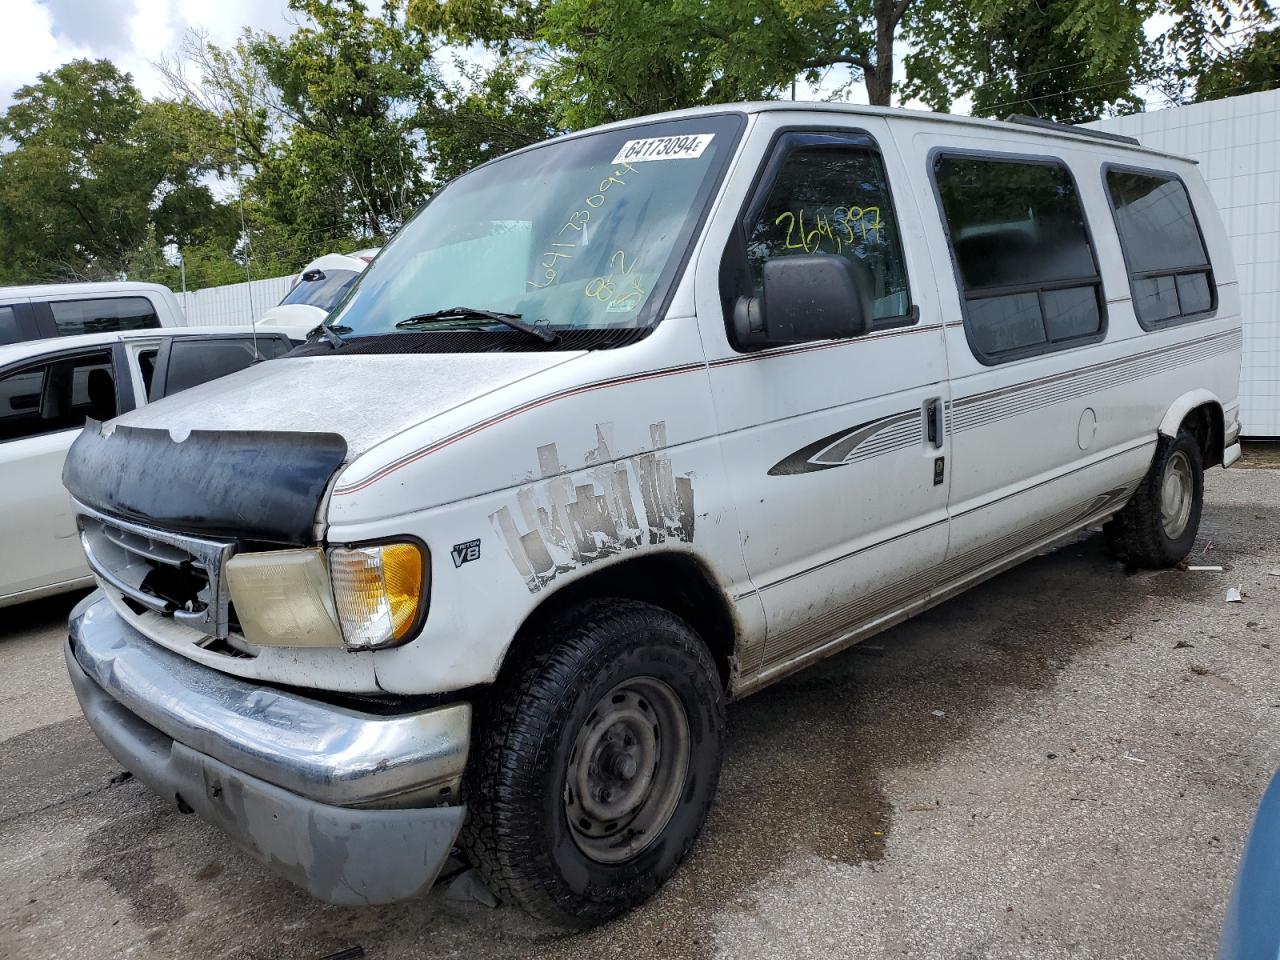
(1158, 525)
(597, 763)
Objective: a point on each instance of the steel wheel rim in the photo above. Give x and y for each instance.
(1177, 493)
(627, 770)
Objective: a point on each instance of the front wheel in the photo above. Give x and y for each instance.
(597, 763)
(1158, 525)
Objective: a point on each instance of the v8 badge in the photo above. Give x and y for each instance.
(465, 552)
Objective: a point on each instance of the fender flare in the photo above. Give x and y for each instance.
(1179, 409)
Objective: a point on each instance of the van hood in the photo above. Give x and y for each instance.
(251, 455)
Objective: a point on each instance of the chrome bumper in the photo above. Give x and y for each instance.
(322, 794)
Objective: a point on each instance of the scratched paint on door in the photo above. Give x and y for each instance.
(565, 521)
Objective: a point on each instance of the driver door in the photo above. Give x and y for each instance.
(837, 449)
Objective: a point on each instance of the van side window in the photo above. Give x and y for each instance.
(1027, 271)
(103, 315)
(1169, 270)
(56, 395)
(834, 199)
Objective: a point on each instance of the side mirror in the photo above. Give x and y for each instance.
(805, 298)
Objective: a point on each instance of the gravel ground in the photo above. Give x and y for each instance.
(1061, 763)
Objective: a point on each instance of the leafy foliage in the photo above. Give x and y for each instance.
(1045, 58)
(97, 173)
(274, 149)
(1251, 68)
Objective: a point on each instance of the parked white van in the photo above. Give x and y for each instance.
(620, 427)
(69, 309)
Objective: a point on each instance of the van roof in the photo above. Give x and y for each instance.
(1028, 128)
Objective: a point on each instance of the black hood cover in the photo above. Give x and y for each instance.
(239, 484)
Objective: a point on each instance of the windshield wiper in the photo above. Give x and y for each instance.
(329, 333)
(512, 320)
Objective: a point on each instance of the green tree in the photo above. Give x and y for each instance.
(1252, 67)
(351, 85)
(323, 134)
(615, 59)
(1018, 58)
(95, 174)
(485, 113)
(583, 62)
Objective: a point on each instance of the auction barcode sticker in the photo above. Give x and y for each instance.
(688, 147)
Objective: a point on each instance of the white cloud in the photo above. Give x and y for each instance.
(101, 25)
(40, 35)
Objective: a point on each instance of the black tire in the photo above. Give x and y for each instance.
(1140, 534)
(518, 833)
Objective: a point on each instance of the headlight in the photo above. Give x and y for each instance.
(283, 599)
(379, 592)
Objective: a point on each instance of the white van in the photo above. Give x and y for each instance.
(316, 290)
(69, 309)
(617, 428)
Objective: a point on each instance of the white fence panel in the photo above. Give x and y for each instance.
(235, 304)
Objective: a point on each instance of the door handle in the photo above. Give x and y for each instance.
(933, 422)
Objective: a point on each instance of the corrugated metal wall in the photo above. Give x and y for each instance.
(1237, 142)
(233, 305)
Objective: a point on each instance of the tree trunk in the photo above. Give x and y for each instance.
(880, 80)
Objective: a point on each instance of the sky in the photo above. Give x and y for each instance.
(39, 35)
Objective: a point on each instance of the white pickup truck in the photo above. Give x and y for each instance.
(620, 427)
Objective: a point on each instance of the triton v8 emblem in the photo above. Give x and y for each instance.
(465, 552)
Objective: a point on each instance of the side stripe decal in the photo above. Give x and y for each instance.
(853, 444)
(981, 409)
(1129, 368)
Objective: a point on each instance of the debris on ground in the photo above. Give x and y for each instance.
(1183, 645)
(938, 713)
(1205, 566)
(468, 887)
(1234, 595)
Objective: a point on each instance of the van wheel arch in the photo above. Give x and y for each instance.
(677, 582)
(1200, 414)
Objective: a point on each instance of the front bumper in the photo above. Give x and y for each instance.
(322, 794)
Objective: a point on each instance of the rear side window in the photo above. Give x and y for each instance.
(323, 292)
(9, 332)
(104, 315)
(1169, 271)
(192, 362)
(1026, 267)
(56, 395)
(830, 196)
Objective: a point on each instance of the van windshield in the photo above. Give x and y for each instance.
(579, 234)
